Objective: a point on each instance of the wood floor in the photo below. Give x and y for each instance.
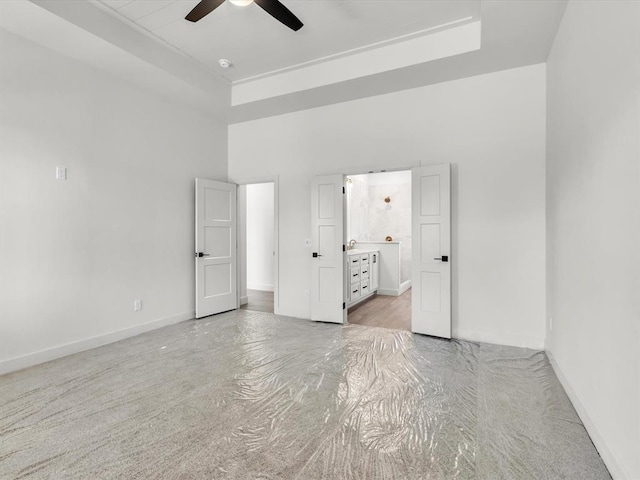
(378, 311)
(383, 311)
(259, 301)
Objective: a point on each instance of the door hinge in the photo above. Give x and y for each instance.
(343, 191)
(344, 248)
(344, 305)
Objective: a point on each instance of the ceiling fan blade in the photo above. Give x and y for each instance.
(281, 13)
(205, 7)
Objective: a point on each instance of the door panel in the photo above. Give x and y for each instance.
(431, 237)
(326, 241)
(327, 224)
(216, 240)
(429, 242)
(216, 280)
(326, 201)
(430, 292)
(217, 204)
(430, 195)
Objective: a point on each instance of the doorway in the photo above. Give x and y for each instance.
(378, 224)
(331, 288)
(257, 241)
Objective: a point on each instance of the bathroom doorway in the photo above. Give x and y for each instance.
(378, 222)
(257, 240)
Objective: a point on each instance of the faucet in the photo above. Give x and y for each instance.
(352, 242)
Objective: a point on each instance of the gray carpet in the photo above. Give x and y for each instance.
(248, 395)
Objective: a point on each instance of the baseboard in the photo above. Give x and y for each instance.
(617, 471)
(502, 338)
(395, 292)
(31, 359)
(404, 286)
(261, 287)
(244, 300)
(392, 292)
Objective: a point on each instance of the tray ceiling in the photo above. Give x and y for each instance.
(257, 44)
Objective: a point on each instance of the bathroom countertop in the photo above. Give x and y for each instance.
(357, 251)
(379, 242)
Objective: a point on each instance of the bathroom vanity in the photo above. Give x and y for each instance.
(363, 272)
(395, 273)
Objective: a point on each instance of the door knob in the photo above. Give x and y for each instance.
(444, 258)
(316, 255)
(200, 254)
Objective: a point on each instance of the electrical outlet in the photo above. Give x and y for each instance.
(61, 172)
(306, 294)
(137, 305)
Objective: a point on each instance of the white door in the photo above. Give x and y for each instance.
(216, 289)
(327, 227)
(431, 250)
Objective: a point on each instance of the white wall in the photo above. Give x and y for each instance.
(593, 229)
(75, 254)
(491, 128)
(260, 236)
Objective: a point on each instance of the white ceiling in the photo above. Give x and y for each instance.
(183, 66)
(257, 44)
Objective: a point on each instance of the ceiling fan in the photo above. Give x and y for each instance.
(273, 7)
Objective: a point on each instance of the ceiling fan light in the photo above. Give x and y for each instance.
(241, 3)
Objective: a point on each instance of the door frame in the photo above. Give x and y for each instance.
(357, 171)
(241, 217)
(367, 172)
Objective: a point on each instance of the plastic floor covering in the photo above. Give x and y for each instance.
(249, 395)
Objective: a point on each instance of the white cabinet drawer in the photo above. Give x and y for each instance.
(353, 260)
(364, 288)
(354, 275)
(364, 258)
(354, 291)
(364, 271)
